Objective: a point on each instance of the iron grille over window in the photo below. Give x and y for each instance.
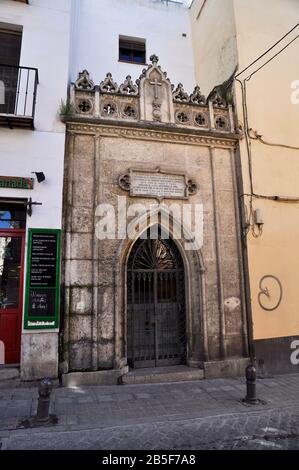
(132, 50)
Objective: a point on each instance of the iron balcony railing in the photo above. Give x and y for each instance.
(18, 88)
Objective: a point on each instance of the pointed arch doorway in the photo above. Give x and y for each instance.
(156, 314)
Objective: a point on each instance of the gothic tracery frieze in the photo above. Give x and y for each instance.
(151, 98)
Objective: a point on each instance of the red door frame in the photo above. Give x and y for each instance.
(16, 311)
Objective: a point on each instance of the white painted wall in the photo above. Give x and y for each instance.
(102, 21)
(45, 46)
(23, 151)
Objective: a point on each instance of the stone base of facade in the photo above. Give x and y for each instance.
(9, 373)
(39, 356)
(277, 355)
(226, 368)
(101, 377)
(212, 369)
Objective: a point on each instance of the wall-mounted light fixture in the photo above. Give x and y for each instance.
(40, 176)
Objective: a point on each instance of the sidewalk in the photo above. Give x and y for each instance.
(187, 415)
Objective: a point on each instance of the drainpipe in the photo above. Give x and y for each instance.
(245, 263)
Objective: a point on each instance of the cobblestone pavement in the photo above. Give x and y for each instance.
(205, 414)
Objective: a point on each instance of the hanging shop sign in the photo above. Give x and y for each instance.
(16, 182)
(43, 279)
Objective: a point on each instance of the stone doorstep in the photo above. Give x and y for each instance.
(9, 373)
(100, 377)
(212, 369)
(162, 374)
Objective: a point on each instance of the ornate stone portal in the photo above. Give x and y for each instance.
(149, 143)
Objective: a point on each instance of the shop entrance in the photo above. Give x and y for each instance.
(12, 242)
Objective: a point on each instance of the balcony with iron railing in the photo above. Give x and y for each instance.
(18, 89)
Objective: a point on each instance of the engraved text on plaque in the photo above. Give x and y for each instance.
(158, 185)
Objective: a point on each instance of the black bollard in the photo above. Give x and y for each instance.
(250, 373)
(44, 392)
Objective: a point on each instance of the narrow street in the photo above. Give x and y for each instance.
(203, 414)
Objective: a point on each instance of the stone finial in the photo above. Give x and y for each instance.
(143, 74)
(128, 87)
(154, 59)
(179, 94)
(109, 85)
(196, 97)
(218, 100)
(84, 82)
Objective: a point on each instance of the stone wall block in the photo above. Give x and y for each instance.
(82, 219)
(81, 300)
(39, 356)
(80, 328)
(80, 355)
(81, 273)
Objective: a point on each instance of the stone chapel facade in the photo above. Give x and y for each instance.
(132, 302)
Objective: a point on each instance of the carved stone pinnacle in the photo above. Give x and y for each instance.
(154, 59)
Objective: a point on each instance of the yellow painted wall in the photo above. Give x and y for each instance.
(257, 25)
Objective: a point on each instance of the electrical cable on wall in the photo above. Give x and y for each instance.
(268, 50)
(248, 137)
(257, 136)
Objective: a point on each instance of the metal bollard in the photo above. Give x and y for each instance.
(250, 373)
(44, 392)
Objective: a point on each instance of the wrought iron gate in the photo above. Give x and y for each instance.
(156, 322)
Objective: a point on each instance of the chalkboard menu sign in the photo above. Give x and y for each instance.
(43, 279)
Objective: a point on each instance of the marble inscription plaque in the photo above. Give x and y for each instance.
(158, 185)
